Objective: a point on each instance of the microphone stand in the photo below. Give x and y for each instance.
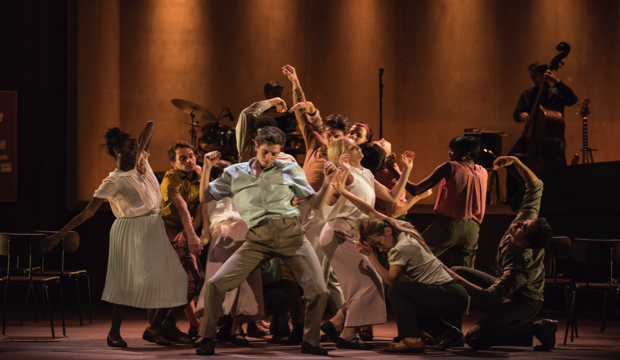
(381, 103)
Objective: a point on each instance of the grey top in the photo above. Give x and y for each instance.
(520, 272)
(267, 196)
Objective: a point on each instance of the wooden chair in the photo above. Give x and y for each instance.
(559, 248)
(593, 252)
(28, 246)
(70, 243)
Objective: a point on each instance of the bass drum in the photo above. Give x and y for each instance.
(218, 137)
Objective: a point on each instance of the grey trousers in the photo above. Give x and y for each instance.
(285, 239)
(504, 324)
(459, 237)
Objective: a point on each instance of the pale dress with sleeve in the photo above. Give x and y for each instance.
(361, 285)
(143, 269)
(228, 231)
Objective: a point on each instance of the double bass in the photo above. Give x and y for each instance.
(544, 131)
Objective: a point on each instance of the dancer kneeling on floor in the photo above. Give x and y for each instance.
(516, 290)
(421, 292)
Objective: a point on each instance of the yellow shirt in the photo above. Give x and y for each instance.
(176, 182)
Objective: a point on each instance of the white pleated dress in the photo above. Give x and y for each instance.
(143, 269)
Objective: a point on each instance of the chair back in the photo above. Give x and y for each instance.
(70, 243)
(597, 251)
(21, 245)
(558, 248)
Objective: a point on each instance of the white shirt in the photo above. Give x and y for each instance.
(220, 211)
(420, 265)
(130, 193)
(363, 186)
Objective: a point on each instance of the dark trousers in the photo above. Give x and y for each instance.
(432, 308)
(503, 324)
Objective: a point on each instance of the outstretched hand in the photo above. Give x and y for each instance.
(211, 158)
(503, 161)
(290, 73)
(407, 158)
(50, 242)
(426, 194)
(279, 103)
(340, 181)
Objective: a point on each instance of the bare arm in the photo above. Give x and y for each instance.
(194, 243)
(396, 192)
(51, 241)
(388, 276)
(442, 171)
(397, 209)
(210, 160)
(317, 199)
(339, 187)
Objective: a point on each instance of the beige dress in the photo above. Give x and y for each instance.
(361, 285)
(227, 235)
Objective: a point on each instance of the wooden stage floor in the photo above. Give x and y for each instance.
(34, 341)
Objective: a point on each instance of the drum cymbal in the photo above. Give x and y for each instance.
(199, 111)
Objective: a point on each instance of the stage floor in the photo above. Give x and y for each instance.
(34, 341)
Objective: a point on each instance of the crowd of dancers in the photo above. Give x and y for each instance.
(335, 230)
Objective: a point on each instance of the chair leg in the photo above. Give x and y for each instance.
(77, 288)
(6, 290)
(35, 294)
(26, 304)
(569, 321)
(604, 313)
(49, 307)
(90, 316)
(62, 308)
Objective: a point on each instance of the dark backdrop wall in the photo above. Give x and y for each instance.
(81, 67)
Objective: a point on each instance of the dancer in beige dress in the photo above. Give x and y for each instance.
(361, 284)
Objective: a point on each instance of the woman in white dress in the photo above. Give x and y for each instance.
(361, 285)
(143, 268)
(224, 230)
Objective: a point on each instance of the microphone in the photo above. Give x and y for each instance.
(230, 116)
(381, 71)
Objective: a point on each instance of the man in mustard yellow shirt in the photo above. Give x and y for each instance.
(180, 203)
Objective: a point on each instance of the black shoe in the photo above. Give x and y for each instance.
(355, 343)
(314, 350)
(296, 336)
(330, 330)
(449, 338)
(155, 336)
(366, 335)
(196, 343)
(224, 332)
(206, 347)
(254, 331)
(325, 338)
(117, 341)
(239, 340)
(544, 330)
(192, 332)
(170, 331)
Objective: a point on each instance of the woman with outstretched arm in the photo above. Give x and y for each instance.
(143, 269)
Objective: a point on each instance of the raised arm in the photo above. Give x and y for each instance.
(396, 192)
(51, 241)
(243, 131)
(339, 186)
(211, 159)
(395, 210)
(317, 199)
(308, 119)
(527, 174)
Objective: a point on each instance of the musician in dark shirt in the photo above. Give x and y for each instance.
(557, 96)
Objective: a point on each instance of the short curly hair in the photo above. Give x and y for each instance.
(539, 234)
(271, 135)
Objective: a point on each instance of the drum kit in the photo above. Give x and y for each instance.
(215, 136)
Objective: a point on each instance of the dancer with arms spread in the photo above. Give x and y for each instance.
(143, 269)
